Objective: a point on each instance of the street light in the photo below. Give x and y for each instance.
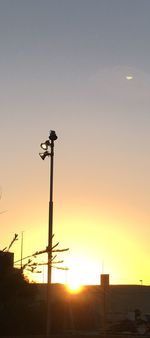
(45, 145)
(48, 146)
(43, 155)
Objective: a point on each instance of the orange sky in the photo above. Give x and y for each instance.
(71, 75)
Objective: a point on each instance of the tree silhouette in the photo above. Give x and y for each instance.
(16, 297)
(33, 266)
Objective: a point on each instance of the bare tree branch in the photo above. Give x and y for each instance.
(61, 250)
(13, 240)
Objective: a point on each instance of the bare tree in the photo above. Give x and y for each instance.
(33, 266)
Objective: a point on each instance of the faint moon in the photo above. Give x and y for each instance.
(129, 77)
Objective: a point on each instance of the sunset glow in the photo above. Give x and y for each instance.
(74, 286)
(81, 68)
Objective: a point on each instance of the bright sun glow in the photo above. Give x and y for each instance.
(79, 273)
(73, 281)
(74, 286)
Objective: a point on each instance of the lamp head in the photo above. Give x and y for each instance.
(45, 145)
(43, 155)
(52, 135)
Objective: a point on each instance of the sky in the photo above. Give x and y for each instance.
(64, 66)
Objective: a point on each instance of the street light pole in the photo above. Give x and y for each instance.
(50, 218)
(46, 145)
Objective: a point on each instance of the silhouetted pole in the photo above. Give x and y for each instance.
(21, 249)
(105, 288)
(50, 234)
(46, 145)
(50, 227)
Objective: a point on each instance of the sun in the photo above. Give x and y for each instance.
(74, 286)
(74, 282)
(81, 271)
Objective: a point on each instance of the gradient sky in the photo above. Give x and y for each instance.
(63, 66)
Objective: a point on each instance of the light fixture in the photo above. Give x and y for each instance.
(43, 155)
(52, 135)
(45, 145)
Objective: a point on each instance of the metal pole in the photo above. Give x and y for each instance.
(50, 233)
(50, 227)
(52, 138)
(49, 144)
